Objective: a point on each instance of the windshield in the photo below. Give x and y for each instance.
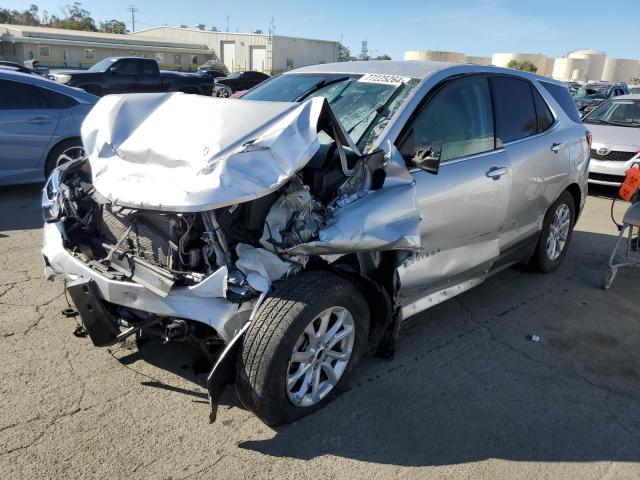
(234, 75)
(363, 104)
(102, 65)
(599, 93)
(625, 113)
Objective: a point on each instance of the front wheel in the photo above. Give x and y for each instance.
(223, 92)
(64, 152)
(557, 229)
(302, 346)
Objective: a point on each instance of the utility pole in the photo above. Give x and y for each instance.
(227, 23)
(133, 10)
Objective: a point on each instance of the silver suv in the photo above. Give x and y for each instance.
(289, 231)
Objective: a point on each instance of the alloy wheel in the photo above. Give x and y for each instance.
(69, 154)
(558, 231)
(320, 356)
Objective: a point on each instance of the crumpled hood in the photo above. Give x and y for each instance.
(189, 153)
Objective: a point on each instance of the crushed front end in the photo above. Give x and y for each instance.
(179, 231)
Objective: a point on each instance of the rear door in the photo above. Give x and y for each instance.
(149, 76)
(537, 149)
(27, 124)
(464, 206)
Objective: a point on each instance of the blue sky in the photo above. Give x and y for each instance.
(475, 27)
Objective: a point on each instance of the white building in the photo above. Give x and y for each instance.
(570, 69)
(55, 47)
(595, 63)
(540, 60)
(437, 56)
(251, 51)
(621, 70)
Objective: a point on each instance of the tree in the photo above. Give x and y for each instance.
(344, 54)
(113, 26)
(525, 65)
(74, 18)
(384, 56)
(16, 17)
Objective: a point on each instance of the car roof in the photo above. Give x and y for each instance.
(80, 95)
(414, 69)
(128, 58)
(407, 68)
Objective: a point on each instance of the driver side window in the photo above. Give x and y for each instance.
(457, 121)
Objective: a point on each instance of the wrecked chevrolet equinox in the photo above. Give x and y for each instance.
(291, 230)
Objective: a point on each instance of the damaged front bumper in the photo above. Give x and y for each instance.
(214, 310)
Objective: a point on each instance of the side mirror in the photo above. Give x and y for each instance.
(113, 71)
(428, 158)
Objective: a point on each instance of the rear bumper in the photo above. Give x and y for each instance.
(223, 316)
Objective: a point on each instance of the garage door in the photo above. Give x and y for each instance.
(228, 50)
(258, 58)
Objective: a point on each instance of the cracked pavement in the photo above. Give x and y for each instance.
(467, 395)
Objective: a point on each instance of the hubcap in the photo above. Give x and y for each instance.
(558, 231)
(320, 356)
(71, 153)
(223, 92)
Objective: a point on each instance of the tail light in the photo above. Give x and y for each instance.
(589, 138)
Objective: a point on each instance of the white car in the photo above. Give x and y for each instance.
(615, 126)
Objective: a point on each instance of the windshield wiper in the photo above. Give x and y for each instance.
(379, 109)
(321, 84)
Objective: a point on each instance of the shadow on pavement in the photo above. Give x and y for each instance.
(20, 208)
(466, 385)
(573, 397)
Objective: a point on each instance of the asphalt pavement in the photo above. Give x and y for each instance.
(468, 395)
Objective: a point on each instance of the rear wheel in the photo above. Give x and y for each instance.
(64, 152)
(557, 229)
(302, 346)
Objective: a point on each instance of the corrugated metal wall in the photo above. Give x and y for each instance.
(288, 52)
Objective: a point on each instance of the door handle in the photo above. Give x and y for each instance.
(496, 172)
(555, 147)
(38, 120)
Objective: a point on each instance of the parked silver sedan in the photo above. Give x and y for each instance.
(39, 126)
(615, 126)
(301, 224)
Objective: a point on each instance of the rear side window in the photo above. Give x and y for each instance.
(561, 95)
(148, 68)
(545, 117)
(515, 112)
(57, 100)
(20, 96)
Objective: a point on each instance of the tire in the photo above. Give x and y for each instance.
(265, 362)
(223, 92)
(63, 152)
(542, 260)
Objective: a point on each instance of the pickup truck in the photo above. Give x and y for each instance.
(132, 75)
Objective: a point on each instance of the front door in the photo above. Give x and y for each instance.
(464, 206)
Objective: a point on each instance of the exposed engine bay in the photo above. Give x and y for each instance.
(175, 234)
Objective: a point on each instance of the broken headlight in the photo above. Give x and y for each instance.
(52, 200)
